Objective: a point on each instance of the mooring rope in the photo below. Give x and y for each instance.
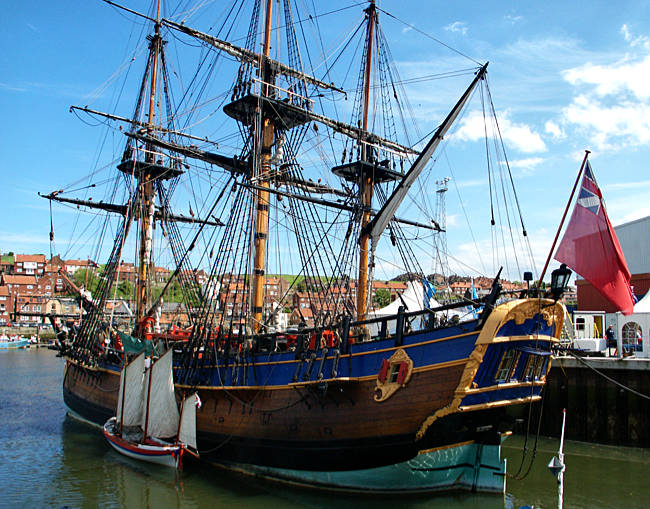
(608, 378)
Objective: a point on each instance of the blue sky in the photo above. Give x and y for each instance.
(564, 77)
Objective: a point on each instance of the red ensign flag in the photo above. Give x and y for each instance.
(591, 249)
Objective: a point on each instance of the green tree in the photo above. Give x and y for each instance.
(381, 298)
(125, 290)
(87, 279)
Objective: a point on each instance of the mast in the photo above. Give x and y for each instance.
(146, 408)
(146, 187)
(366, 182)
(123, 395)
(262, 194)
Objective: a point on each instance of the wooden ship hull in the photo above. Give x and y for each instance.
(385, 403)
(353, 396)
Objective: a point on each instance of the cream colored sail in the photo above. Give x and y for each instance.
(133, 387)
(187, 430)
(163, 412)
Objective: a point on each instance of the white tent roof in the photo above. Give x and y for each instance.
(412, 298)
(643, 306)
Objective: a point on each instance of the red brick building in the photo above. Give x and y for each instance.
(19, 283)
(33, 265)
(6, 305)
(634, 238)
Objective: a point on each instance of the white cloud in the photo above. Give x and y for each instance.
(636, 214)
(612, 100)
(471, 183)
(554, 130)
(519, 136)
(610, 126)
(641, 40)
(513, 19)
(527, 165)
(629, 185)
(624, 78)
(484, 257)
(13, 238)
(12, 88)
(457, 26)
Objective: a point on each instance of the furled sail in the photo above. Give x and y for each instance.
(131, 385)
(163, 412)
(187, 430)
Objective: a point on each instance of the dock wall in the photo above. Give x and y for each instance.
(597, 409)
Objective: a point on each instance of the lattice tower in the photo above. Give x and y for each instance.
(441, 264)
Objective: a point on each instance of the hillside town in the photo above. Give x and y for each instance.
(33, 287)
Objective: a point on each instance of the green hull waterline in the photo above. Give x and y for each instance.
(465, 467)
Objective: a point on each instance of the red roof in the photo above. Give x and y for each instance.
(81, 263)
(30, 258)
(10, 279)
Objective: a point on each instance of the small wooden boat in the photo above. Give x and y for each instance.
(148, 425)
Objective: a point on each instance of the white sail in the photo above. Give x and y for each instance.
(133, 387)
(163, 412)
(187, 430)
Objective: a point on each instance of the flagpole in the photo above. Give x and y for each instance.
(550, 254)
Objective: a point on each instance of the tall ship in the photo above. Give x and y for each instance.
(300, 158)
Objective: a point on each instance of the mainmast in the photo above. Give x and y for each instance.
(366, 180)
(146, 187)
(262, 194)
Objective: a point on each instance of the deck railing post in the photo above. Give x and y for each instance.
(384, 329)
(399, 328)
(345, 334)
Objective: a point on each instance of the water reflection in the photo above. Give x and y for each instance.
(48, 459)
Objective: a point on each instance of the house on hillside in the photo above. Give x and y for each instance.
(6, 306)
(31, 265)
(72, 266)
(19, 284)
(29, 309)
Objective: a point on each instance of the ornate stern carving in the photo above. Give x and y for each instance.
(394, 374)
(550, 311)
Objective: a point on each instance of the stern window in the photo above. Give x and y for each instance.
(507, 365)
(535, 368)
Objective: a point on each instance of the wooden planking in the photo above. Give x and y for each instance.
(303, 414)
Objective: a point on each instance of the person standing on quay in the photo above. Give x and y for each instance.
(611, 341)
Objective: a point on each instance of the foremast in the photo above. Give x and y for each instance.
(366, 180)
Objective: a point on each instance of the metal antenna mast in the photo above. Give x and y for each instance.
(440, 238)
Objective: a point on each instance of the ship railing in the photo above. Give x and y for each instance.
(277, 92)
(347, 332)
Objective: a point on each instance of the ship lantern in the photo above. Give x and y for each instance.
(560, 280)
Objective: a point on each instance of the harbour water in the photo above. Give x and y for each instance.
(50, 460)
